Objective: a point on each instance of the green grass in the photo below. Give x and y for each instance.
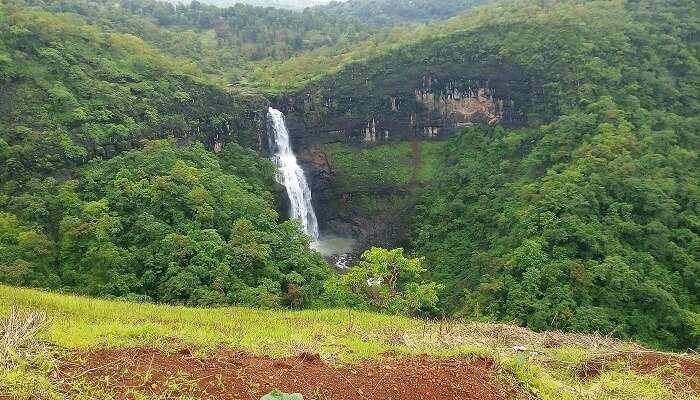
(80, 323)
(386, 166)
(340, 336)
(614, 382)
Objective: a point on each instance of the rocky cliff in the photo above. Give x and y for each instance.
(421, 93)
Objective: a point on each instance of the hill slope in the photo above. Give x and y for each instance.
(291, 4)
(567, 196)
(177, 340)
(224, 41)
(554, 222)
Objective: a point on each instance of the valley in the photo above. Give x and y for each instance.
(503, 190)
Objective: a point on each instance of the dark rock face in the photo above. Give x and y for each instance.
(430, 105)
(427, 108)
(247, 128)
(320, 175)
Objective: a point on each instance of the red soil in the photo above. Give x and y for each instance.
(678, 372)
(243, 376)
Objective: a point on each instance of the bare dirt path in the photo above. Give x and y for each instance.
(243, 376)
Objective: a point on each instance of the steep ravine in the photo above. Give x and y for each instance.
(364, 176)
(368, 136)
(364, 192)
(347, 205)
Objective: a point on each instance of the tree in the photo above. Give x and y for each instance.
(26, 256)
(386, 280)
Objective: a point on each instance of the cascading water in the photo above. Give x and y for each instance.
(290, 174)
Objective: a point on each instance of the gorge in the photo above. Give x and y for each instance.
(541, 158)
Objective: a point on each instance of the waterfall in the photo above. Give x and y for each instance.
(290, 174)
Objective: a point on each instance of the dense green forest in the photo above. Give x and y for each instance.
(291, 4)
(79, 216)
(94, 202)
(583, 217)
(394, 12)
(590, 222)
(165, 223)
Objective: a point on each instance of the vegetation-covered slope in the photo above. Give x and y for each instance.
(71, 93)
(586, 217)
(223, 41)
(161, 222)
(291, 4)
(590, 222)
(383, 13)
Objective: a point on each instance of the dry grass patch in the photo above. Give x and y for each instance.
(18, 336)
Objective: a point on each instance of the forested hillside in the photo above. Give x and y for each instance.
(88, 205)
(589, 222)
(580, 215)
(394, 12)
(71, 93)
(224, 41)
(220, 40)
(291, 4)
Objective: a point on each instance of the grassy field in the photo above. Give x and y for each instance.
(548, 369)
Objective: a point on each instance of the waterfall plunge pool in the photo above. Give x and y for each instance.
(338, 250)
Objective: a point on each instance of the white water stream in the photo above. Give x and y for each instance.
(290, 175)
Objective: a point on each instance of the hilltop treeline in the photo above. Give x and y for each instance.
(224, 41)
